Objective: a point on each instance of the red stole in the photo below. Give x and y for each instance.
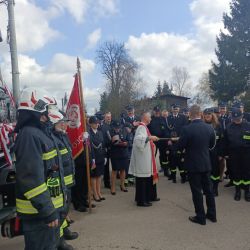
(152, 146)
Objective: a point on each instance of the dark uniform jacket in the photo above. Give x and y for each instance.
(97, 143)
(197, 139)
(175, 124)
(37, 162)
(224, 121)
(117, 150)
(65, 149)
(130, 120)
(237, 136)
(105, 129)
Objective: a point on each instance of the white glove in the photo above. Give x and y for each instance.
(105, 161)
(85, 136)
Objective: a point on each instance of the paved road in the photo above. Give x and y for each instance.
(118, 224)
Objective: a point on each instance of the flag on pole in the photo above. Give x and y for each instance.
(9, 93)
(74, 113)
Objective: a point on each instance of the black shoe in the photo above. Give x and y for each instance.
(247, 195)
(68, 235)
(211, 218)
(113, 193)
(183, 180)
(174, 180)
(229, 184)
(81, 209)
(156, 199)
(237, 194)
(97, 200)
(124, 189)
(194, 219)
(64, 246)
(107, 186)
(144, 204)
(170, 178)
(102, 198)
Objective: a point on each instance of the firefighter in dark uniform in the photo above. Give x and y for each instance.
(158, 127)
(131, 118)
(224, 120)
(216, 152)
(237, 142)
(240, 105)
(175, 123)
(60, 123)
(40, 189)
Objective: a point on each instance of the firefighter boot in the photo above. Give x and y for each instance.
(63, 245)
(247, 193)
(237, 195)
(68, 235)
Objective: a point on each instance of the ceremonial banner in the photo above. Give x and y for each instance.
(74, 114)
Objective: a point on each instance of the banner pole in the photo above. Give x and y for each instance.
(84, 122)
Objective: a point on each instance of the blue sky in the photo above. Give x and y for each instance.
(159, 34)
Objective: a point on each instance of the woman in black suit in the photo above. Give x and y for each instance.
(97, 170)
(119, 156)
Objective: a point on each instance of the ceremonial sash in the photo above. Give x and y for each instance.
(152, 146)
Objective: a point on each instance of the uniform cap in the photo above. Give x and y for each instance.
(222, 105)
(236, 113)
(208, 111)
(174, 106)
(116, 124)
(238, 105)
(157, 109)
(129, 108)
(93, 120)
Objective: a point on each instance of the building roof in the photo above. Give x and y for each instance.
(170, 95)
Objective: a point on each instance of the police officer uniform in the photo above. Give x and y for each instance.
(237, 142)
(158, 127)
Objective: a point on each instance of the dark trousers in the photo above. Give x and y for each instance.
(143, 190)
(79, 191)
(106, 177)
(38, 236)
(240, 166)
(199, 182)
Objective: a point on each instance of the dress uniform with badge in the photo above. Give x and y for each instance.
(131, 118)
(158, 127)
(237, 142)
(175, 123)
(40, 189)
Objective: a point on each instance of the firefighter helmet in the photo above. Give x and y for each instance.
(35, 100)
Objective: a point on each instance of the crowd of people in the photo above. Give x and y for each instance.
(203, 146)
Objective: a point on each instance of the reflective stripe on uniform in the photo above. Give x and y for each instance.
(35, 191)
(68, 179)
(64, 225)
(49, 155)
(215, 178)
(237, 183)
(26, 207)
(182, 171)
(245, 182)
(164, 162)
(246, 137)
(173, 170)
(64, 151)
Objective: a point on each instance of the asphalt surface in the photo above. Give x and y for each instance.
(118, 224)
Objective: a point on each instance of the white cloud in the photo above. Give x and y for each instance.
(158, 53)
(32, 25)
(80, 8)
(56, 77)
(94, 38)
(77, 8)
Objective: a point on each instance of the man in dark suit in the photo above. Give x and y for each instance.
(197, 139)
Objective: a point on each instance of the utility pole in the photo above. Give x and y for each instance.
(13, 50)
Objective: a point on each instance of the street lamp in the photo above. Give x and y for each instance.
(13, 47)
